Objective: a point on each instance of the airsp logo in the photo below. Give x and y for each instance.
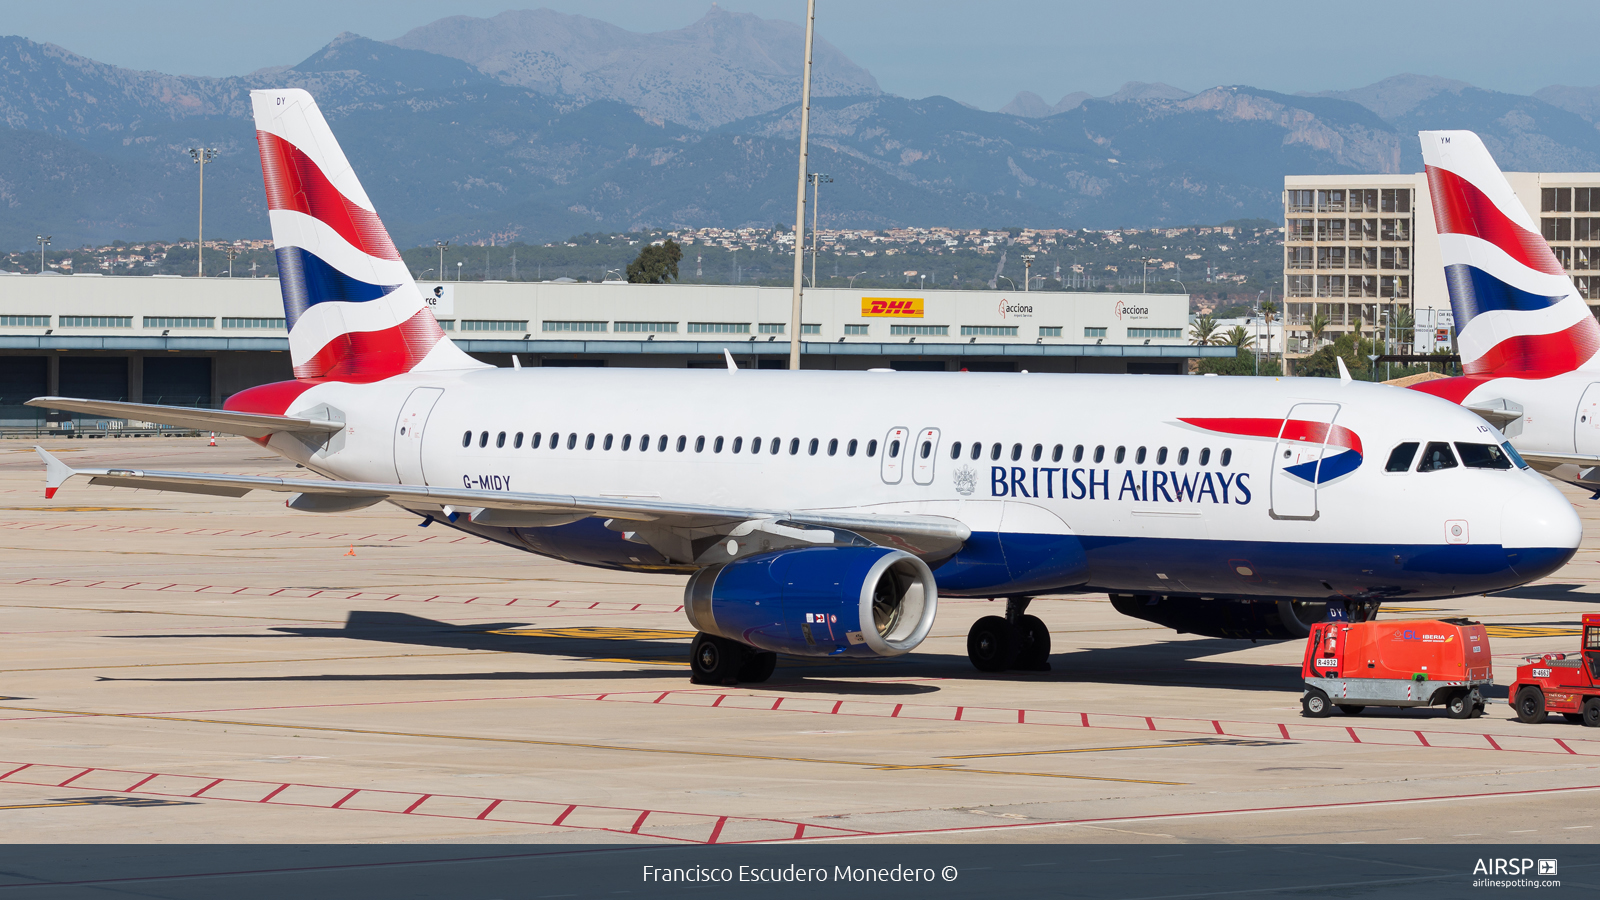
(966, 481)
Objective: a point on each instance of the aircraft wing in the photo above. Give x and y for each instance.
(253, 425)
(684, 533)
(1545, 461)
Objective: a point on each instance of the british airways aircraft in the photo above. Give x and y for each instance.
(1528, 340)
(824, 513)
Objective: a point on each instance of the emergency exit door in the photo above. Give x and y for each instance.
(1297, 459)
(1586, 424)
(408, 432)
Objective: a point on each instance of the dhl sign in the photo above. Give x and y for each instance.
(892, 307)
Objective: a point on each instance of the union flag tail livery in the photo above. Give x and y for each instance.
(353, 311)
(1517, 313)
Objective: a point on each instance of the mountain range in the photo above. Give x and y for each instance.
(536, 125)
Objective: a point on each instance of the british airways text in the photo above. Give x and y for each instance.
(1145, 485)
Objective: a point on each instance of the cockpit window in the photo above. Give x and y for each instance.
(1515, 456)
(1436, 457)
(1401, 456)
(1482, 456)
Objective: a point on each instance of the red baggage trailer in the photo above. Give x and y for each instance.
(1560, 682)
(1420, 662)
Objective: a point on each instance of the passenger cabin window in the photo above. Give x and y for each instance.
(1099, 453)
(1138, 457)
(1038, 452)
(1016, 452)
(994, 451)
(1482, 456)
(483, 439)
(1401, 456)
(683, 440)
(1055, 455)
(833, 446)
(700, 443)
(794, 447)
(755, 445)
(850, 448)
(776, 443)
(644, 442)
(516, 442)
(466, 439)
(1122, 453)
(607, 443)
(872, 449)
(927, 447)
(661, 444)
(1161, 456)
(534, 443)
(500, 440)
(572, 440)
(1183, 456)
(738, 444)
(811, 449)
(1436, 457)
(1227, 457)
(588, 442)
(894, 449)
(1077, 453)
(955, 450)
(555, 440)
(977, 449)
(716, 446)
(627, 441)
(1205, 455)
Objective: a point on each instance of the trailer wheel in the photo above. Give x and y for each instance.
(1530, 705)
(1315, 704)
(1350, 710)
(1591, 712)
(1458, 705)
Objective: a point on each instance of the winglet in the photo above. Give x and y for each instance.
(1344, 371)
(55, 472)
(732, 366)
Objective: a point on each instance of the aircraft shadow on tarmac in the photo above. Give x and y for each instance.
(1174, 663)
(1571, 593)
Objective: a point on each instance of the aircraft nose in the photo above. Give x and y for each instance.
(1539, 530)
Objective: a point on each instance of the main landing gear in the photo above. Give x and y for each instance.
(1017, 642)
(717, 660)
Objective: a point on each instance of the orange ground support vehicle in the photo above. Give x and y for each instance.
(1560, 682)
(1419, 662)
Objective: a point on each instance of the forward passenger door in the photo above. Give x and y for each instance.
(1297, 459)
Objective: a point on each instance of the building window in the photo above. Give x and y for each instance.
(1138, 333)
(1364, 200)
(179, 322)
(813, 328)
(1395, 200)
(1364, 286)
(1299, 285)
(572, 326)
(1363, 258)
(1299, 229)
(1330, 230)
(1585, 257)
(989, 330)
(1398, 286)
(1301, 201)
(1094, 332)
(1563, 255)
(1555, 200)
(1049, 331)
(771, 328)
(920, 329)
(1364, 229)
(855, 329)
(1556, 229)
(1298, 258)
(97, 321)
(446, 324)
(1330, 285)
(1395, 230)
(1329, 257)
(1394, 258)
(25, 321)
(494, 324)
(719, 327)
(1586, 229)
(641, 327)
(1330, 201)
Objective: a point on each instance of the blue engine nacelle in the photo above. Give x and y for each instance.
(817, 601)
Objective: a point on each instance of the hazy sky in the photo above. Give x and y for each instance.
(979, 53)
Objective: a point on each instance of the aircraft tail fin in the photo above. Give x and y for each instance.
(1517, 313)
(354, 313)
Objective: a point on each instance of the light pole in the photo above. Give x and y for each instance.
(230, 253)
(458, 270)
(443, 246)
(1027, 268)
(854, 277)
(44, 241)
(1008, 278)
(800, 191)
(201, 156)
(817, 180)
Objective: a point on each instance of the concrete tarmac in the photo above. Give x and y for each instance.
(185, 668)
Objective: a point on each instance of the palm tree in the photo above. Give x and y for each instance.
(1405, 325)
(1204, 330)
(1267, 309)
(1237, 337)
(1319, 324)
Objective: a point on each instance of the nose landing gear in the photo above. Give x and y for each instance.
(1017, 642)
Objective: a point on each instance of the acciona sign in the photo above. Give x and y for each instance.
(1124, 310)
(1012, 309)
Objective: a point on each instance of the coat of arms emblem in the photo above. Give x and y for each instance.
(966, 481)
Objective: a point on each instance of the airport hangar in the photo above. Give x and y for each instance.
(196, 341)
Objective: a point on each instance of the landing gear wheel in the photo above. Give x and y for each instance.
(993, 644)
(1315, 704)
(1530, 705)
(714, 660)
(1458, 705)
(1034, 655)
(1591, 712)
(758, 666)
(1350, 710)
(1574, 718)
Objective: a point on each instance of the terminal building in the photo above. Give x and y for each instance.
(195, 341)
(1360, 248)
